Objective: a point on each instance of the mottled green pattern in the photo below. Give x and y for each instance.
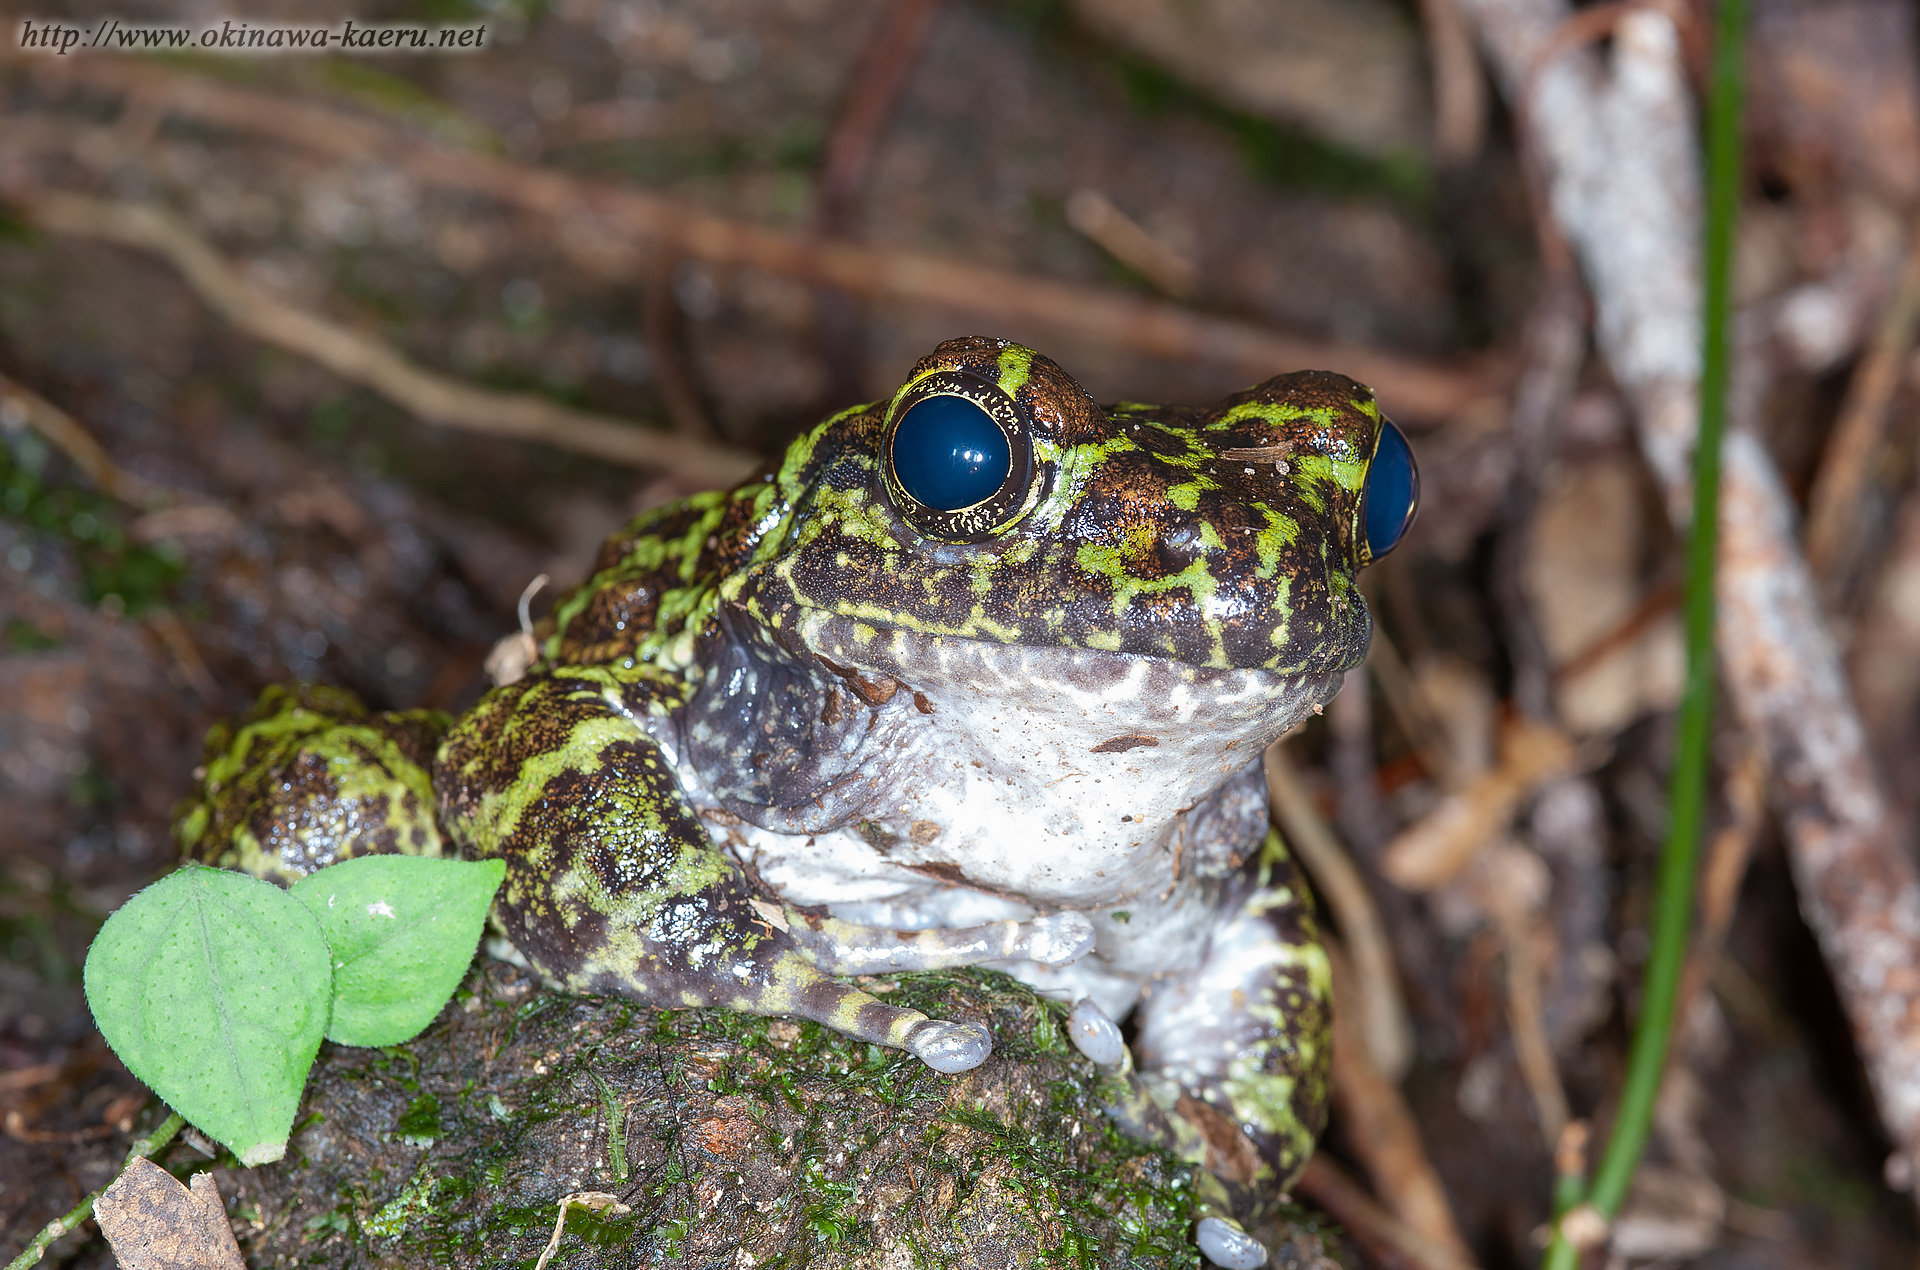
(1223, 538)
(311, 777)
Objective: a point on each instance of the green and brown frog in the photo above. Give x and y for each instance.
(979, 675)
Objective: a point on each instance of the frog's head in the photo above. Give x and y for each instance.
(1065, 590)
(992, 500)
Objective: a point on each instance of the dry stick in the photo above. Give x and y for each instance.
(361, 360)
(873, 89)
(69, 1221)
(1526, 1019)
(1408, 387)
(1624, 174)
(65, 433)
(1459, 93)
(1377, 1124)
(1384, 1027)
(1833, 511)
(1387, 1239)
(1721, 876)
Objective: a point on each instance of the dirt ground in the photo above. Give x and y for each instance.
(286, 521)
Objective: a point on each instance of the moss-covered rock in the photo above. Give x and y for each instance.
(732, 1141)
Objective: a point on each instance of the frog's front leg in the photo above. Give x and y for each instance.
(1232, 1058)
(613, 884)
(844, 948)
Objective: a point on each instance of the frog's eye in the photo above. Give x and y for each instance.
(1392, 493)
(949, 453)
(958, 457)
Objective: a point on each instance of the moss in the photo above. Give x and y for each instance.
(795, 1144)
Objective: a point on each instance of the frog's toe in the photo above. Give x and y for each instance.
(1059, 939)
(1096, 1036)
(1226, 1245)
(950, 1047)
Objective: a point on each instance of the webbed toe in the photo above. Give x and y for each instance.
(1059, 939)
(1096, 1036)
(949, 1048)
(1228, 1246)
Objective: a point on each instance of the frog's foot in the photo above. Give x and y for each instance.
(844, 948)
(950, 1047)
(1224, 1244)
(1098, 1038)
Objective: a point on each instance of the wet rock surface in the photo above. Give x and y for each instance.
(730, 1140)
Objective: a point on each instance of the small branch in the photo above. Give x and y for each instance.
(1384, 1027)
(1459, 91)
(1525, 1016)
(1377, 1124)
(1833, 511)
(66, 434)
(69, 1221)
(1386, 1238)
(358, 359)
(622, 219)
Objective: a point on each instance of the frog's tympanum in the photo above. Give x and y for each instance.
(980, 675)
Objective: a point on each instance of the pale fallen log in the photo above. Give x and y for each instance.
(1618, 151)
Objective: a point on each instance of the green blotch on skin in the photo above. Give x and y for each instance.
(1016, 366)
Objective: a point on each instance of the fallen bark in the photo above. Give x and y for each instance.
(1618, 149)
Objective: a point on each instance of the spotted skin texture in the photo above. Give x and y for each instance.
(806, 725)
(309, 778)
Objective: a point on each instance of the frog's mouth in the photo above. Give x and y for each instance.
(828, 717)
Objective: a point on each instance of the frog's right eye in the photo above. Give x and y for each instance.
(1391, 496)
(949, 453)
(958, 458)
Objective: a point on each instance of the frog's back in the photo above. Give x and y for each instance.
(651, 582)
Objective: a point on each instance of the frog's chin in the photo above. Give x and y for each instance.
(1039, 715)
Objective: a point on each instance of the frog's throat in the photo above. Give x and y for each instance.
(812, 738)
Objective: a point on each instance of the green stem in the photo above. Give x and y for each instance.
(142, 1149)
(1673, 900)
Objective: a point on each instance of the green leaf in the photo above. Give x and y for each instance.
(402, 929)
(213, 988)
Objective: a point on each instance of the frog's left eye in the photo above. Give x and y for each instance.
(1391, 495)
(958, 457)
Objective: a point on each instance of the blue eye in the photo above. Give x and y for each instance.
(949, 453)
(1392, 492)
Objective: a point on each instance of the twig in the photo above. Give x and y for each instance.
(1377, 1124)
(627, 218)
(1387, 1239)
(594, 1201)
(361, 360)
(1525, 1017)
(1725, 869)
(1833, 509)
(1625, 185)
(1435, 848)
(64, 432)
(69, 1221)
(874, 88)
(1384, 1027)
(662, 327)
(1656, 604)
(876, 84)
(1459, 92)
(1128, 241)
(1621, 157)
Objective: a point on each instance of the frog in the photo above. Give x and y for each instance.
(976, 675)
